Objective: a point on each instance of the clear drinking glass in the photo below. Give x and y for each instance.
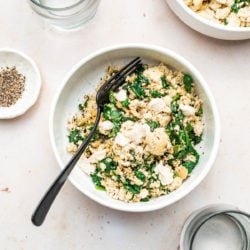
(217, 227)
(65, 14)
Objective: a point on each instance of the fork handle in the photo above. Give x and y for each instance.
(46, 202)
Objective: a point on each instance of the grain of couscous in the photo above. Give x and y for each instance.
(144, 145)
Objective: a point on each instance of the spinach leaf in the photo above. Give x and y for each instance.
(106, 111)
(141, 176)
(85, 104)
(109, 163)
(80, 106)
(191, 164)
(191, 134)
(134, 189)
(112, 113)
(115, 129)
(152, 124)
(101, 188)
(156, 93)
(137, 85)
(174, 105)
(112, 98)
(138, 90)
(125, 103)
(96, 179)
(141, 79)
(188, 80)
(164, 82)
(199, 112)
(75, 136)
(145, 199)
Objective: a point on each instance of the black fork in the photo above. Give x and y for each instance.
(102, 97)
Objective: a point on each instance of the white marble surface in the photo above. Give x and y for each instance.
(27, 163)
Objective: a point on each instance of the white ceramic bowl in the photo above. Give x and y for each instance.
(84, 77)
(205, 26)
(26, 66)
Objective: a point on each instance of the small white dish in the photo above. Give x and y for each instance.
(27, 67)
(205, 26)
(83, 79)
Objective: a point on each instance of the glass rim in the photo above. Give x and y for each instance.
(212, 215)
(54, 8)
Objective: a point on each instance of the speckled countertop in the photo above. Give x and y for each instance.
(28, 165)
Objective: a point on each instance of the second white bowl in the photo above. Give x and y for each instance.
(205, 26)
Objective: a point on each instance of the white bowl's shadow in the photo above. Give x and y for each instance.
(83, 79)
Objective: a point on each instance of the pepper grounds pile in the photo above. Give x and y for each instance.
(12, 85)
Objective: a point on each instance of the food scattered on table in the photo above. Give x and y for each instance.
(12, 86)
(144, 146)
(6, 190)
(227, 12)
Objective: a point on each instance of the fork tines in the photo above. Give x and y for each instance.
(116, 80)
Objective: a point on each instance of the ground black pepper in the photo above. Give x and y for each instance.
(12, 85)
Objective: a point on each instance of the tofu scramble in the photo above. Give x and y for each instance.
(227, 12)
(144, 145)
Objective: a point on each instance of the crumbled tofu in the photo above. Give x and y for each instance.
(137, 108)
(97, 156)
(71, 148)
(153, 73)
(121, 95)
(222, 13)
(167, 99)
(157, 142)
(105, 127)
(176, 183)
(187, 110)
(198, 128)
(137, 133)
(157, 105)
(144, 193)
(221, 1)
(165, 174)
(121, 140)
(196, 5)
(86, 166)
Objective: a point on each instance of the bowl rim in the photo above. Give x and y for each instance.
(208, 22)
(38, 84)
(167, 52)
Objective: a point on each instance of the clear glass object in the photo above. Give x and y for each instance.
(65, 14)
(216, 227)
